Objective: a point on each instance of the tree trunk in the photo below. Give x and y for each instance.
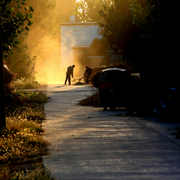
(2, 104)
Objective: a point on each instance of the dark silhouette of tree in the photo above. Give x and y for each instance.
(2, 104)
(15, 19)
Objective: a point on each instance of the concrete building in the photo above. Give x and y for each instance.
(76, 38)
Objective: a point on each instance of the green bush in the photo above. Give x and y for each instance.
(20, 140)
(20, 62)
(39, 173)
(32, 97)
(26, 83)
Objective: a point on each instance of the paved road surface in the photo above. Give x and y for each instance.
(89, 143)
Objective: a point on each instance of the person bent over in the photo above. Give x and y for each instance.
(87, 74)
(69, 73)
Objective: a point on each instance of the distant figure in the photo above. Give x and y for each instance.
(69, 73)
(87, 74)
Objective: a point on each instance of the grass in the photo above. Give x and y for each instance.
(32, 109)
(25, 83)
(39, 173)
(32, 97)
(22, 141)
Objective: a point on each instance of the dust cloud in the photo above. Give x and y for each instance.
(48, 63)
(44, 42)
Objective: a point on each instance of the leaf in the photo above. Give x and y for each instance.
(30, 23)
(30, 15)
(31, 8)
(27, 28)
(19, 31)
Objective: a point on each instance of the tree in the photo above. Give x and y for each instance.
(159, 25)
(117, 25)
(21, 63)
(2, 103)
(87, 10)
(23, 60)
(15, 19)
(98, 47)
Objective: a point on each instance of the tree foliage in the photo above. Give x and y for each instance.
(45, 23)
(21, 63)
(98, 47)
(152, 25)
(15, 19)
(159, 24)
(87, 10)
(146, 32)
(158, 21)
(117, 25)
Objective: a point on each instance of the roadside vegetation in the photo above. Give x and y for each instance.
(39, 173)
(26, 83)
(21, 141)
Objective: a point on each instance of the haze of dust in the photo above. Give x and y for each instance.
(47, 48)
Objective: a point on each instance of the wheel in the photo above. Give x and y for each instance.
(112, 108)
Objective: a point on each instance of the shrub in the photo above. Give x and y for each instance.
(26, 104)
(21, 139)
(26, 83)
(29, 97)
(25, 112)
(39, 173)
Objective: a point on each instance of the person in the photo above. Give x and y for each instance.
(87, 74)
(69, 73)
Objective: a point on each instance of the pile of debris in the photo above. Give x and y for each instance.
(78, 81)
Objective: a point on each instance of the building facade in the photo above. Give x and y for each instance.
(76, 38)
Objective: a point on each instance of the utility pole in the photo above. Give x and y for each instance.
(2, 103)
